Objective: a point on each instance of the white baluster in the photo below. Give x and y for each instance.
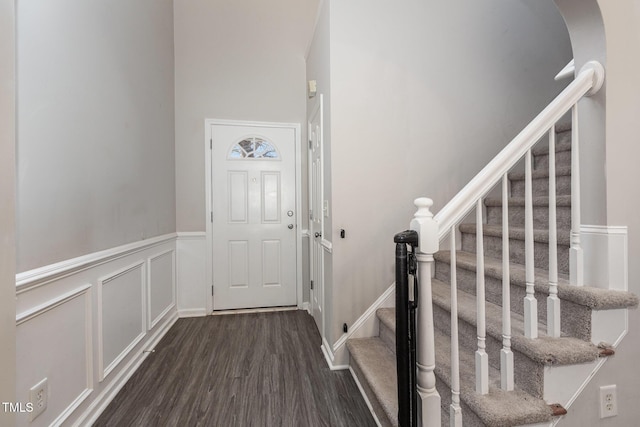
(482, 358)
(506, 355)
(455, 412)
(428, 244)
(530, 303)
(553, 302)
(576, 255)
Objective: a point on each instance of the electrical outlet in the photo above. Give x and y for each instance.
(38, 397)
(608, 401)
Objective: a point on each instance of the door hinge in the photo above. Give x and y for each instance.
(210, 143)
(312, 285)
(211, 216)
(310, 144)
(211, 290)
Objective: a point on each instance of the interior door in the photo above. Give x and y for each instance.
(254, 223)
(316, 213)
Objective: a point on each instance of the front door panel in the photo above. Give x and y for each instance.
(254, 233)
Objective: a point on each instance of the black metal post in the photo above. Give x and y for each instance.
(405, 330)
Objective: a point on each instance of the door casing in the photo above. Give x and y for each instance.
(208, 124)
(316, 247)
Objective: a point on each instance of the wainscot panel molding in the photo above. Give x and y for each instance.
(63, 324)
(162, 286)
(121, 315)
(86, 325)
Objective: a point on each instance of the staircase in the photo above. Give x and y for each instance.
(372, 360)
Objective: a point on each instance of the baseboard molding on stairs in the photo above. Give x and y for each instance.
(364, 327)
(364, 396)
(330, 357)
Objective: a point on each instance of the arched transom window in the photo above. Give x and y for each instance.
(254, 148)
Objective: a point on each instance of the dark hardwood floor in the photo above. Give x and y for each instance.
(262, 369)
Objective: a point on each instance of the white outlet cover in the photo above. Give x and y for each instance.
(39, 397)
(608, 401)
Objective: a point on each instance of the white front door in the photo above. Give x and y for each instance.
(254, 218)
(316, 213)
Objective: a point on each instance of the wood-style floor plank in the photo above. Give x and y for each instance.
(258, 369)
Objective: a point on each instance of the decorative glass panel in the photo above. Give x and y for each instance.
(253, 148)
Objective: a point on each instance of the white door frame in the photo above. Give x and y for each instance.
(315, 110)
(208, 123)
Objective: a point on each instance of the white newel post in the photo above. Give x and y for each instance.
(427, 228)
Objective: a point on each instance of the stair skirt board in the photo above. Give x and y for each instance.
(365, 397)
(365, 326)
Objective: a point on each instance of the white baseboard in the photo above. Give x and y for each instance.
(192, 312)
(101, 401)
(330, 358)
(306, 307)
(364, 327)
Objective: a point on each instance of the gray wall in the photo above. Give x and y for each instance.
(423, 96)
(95, 126)
(7, 209)
(622, 33)
(239, 60)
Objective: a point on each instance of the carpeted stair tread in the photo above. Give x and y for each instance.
(540, 173)
(497, 408)
(544, 350)
(562, 200)
(378, 366)
(593, 298)
(517, 233)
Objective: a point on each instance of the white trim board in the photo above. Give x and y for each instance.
(208, 124)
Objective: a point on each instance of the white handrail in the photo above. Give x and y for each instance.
(588, 81)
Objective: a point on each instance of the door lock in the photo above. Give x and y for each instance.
(290, 213)
(317, 234)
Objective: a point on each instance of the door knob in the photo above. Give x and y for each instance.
(290, 226)
(318, 234)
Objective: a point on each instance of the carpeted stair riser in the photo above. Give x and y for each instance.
(493, 248)
(540, 213)
(563, 152)
(470, 419)
(575, 319)
(388, 336)
(540, 184)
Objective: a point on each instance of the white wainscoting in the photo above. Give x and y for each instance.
(84, 324)
(605, 256)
